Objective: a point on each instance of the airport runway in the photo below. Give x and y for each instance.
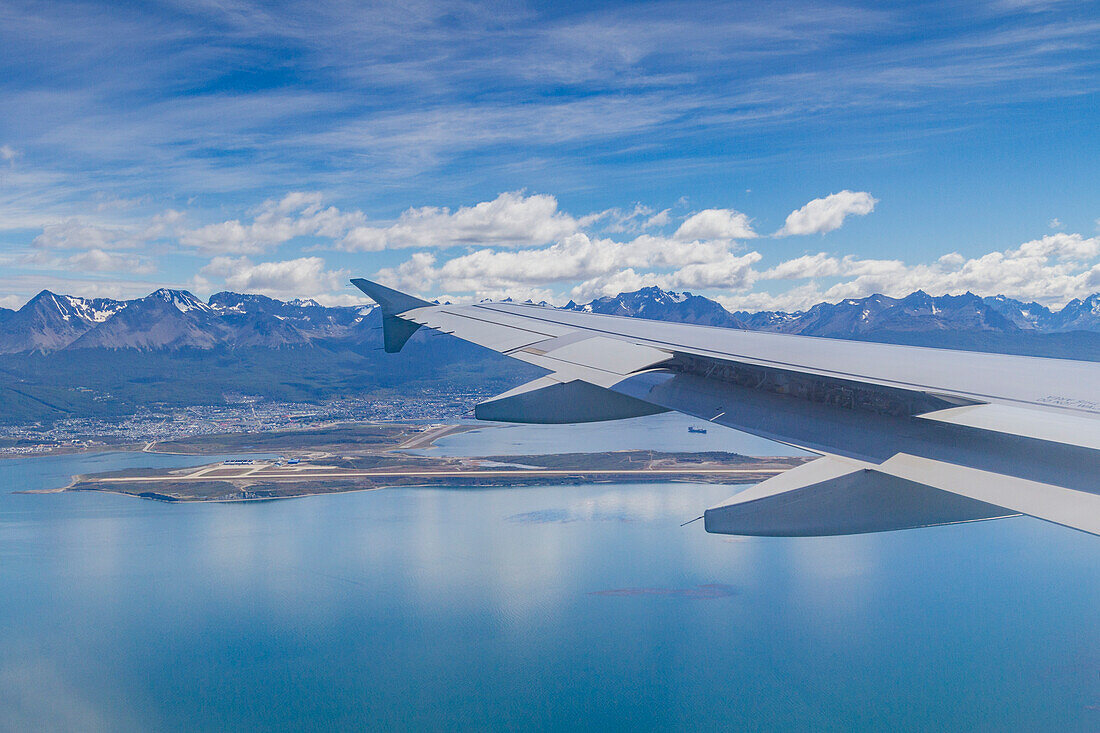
(305, 475)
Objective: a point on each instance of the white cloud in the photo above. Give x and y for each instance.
(826, 214)
(298, 214)
(660, 219)
(817, 265)
(730, 272)
(304, 277)
(638, 219)
(8, 154)
(509, 220)
(1055, 223)
(75, 234)
(798, 298)
(716, 224)
(92, 260)
(1051, 270)
(1070, 247)
(576, 257)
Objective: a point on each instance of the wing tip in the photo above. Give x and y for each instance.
(392, 301)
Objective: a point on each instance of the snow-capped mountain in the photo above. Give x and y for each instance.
(855, 317)
(1079, 315)
(175, 319)
(662, 305)
(306, 315)
(49, 321)
(918, 311)
(165, 319)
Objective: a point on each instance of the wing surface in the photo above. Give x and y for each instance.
(960, 435)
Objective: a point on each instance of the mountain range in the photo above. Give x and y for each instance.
(858, 317)
(64, 356)
(170, 320)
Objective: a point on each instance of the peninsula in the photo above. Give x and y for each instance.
(370, 456)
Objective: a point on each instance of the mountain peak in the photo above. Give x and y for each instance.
(181, 299)
(657, 304)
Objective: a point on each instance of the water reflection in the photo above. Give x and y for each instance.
(529, 607)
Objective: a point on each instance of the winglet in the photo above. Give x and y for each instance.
(395, 330)
(392, 301)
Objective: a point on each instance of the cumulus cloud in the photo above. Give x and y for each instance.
(509, 220)
(576, 257)
(806, 266)
(1051, 270)
(716, 224)
(826, 214)
(298, 278)
(8, 154)
(731, 272)
(298, 214)
(1065, 247)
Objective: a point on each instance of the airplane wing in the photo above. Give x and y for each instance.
(910, 436)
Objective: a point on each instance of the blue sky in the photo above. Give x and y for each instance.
(768, 154)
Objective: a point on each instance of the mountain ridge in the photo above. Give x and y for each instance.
(169, 319)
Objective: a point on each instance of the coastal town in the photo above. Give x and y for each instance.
(238, 414)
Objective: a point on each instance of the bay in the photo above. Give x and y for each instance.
(549, 608)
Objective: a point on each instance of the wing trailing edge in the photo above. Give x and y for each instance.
(835, 496)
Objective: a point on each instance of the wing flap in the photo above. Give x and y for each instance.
(1025, 422)
(833, 496)
(556, 399)
(1068, 507)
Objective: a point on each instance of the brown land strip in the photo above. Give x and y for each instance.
(370, 456)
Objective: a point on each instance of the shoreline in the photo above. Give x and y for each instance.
(269, 481)
(347, 458)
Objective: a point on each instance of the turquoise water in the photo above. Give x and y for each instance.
(551, 608)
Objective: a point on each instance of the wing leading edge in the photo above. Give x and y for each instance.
(911, 437)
